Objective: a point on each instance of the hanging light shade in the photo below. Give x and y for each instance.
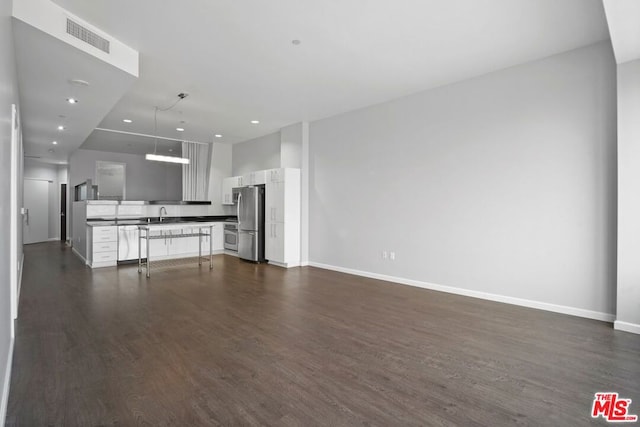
(170, 159)
(157, 157)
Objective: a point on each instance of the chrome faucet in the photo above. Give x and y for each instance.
(162, 208)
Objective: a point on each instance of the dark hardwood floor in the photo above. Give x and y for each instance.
(248, 344)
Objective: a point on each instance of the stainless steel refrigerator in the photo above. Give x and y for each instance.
(251, 223)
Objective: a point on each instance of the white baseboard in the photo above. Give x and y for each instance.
(304, 263)
(53, 239)
(7, 382)
(75, 251)
(573, 311)
(284, 264)
(20, 278)
(626, 327)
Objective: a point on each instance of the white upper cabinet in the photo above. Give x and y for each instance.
(227, 191)
(228, 184)
(255, 178)
(275, 175)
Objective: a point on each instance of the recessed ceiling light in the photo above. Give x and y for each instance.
(295, 42)
(54, 142)
(218, 135)
(255, 122)
(72, 100)
(180, 129)
(60, 127)
(171, 150)
(127, 120)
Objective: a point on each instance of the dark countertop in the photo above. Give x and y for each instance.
(98, 222)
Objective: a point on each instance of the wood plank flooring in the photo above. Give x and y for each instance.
(248, 344)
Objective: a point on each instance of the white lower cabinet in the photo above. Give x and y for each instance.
(157, 248)
(174, 247)
(274, 242)
(102, 242)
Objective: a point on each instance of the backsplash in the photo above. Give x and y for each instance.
(110, 209)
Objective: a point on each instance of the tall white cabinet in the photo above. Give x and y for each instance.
(282, 217)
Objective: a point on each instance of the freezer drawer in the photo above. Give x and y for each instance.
(250, 246)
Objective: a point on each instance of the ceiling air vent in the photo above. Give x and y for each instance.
(87, 36)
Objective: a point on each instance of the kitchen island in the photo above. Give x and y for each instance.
(176, 230)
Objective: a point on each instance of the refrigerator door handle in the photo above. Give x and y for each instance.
(238, 208)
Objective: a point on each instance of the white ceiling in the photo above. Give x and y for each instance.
(623, 17)
(45, 67)
(237, 61)
(131, 144)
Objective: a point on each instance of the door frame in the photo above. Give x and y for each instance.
(63, 212)
(15, 276)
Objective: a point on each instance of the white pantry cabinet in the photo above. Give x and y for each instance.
(282, 217)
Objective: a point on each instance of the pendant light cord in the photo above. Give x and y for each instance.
(155, 120)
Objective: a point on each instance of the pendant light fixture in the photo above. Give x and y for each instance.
(155, 156)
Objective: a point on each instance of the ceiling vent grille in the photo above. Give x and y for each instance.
(87, 36)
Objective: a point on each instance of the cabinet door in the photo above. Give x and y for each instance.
(274, 241)
(105, 234)
(157, 248)
(227, 189)
(274, 201)
(218, 237)
(259, 177)
(275, 175)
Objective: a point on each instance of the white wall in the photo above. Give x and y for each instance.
(34, 169)
(628, 295)
(8, 96)
(256, 154)
(503, 184)
(220, 169)
(291, 138)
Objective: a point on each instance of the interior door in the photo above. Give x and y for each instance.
(36, 217)
(63, 212)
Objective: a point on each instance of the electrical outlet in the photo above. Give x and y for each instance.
(384, 254)
(392, 256)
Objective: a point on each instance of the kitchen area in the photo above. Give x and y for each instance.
(255, 217)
